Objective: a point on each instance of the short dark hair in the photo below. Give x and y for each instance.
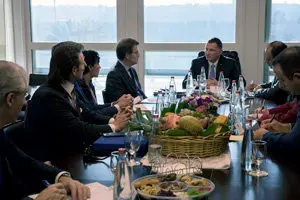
(217, 41)
(125, 47)
(91, 58)
(277, 48)
(64, 57)
(289, 61)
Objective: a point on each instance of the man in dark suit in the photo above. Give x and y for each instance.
(271, 91)
(123, 78)
(286, 67)
(214, 62)
(53, 119)
(17, 170)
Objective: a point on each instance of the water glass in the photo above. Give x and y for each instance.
(114, 157)
(154, 153)
(132, 144)
(259, 153)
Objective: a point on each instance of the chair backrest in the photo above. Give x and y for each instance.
(16, 133)
(231, 54)
(105, 96)
(37, 79)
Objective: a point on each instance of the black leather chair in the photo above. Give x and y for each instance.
(105, 96)
(231, 54)
(37, 79)
(16, 133)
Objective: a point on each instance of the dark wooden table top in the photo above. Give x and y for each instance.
(283, 181)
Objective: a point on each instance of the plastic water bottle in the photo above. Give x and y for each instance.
(239, 113)
(221, 84)
(172, 82)
(247, 147)
(153, 148)
(122, 187)
(172, 95)
(189, 84)
(159, 103)
(166, 97)
(232, 102)
(242, 89)
(202, 80)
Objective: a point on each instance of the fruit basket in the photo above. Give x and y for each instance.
(191, 127)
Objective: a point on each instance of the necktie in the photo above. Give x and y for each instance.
(135, 83)
(93, 95)
(212, 73)
(73, 99)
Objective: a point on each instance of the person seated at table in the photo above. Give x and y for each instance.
(286, 67)
(214, 62)
(123, 79)
(21, 175)
(53, 120)
(271, 91)
(86, 95)
(285, 113)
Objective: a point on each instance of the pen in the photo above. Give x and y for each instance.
(272, 118)
(46, 183)
(263, 104)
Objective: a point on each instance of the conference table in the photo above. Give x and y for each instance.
(283, 181)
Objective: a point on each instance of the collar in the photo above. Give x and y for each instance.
(124, 65)
(68, 86)
(215, 63)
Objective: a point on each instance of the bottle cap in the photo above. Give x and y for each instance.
(221, 72)
(249, 121)
(237, 91)
(172, 76)
(233, 81)
(155, 115)
(190, 70)
(122, 150)
(171, 86)
(241, 75)
(159, 92)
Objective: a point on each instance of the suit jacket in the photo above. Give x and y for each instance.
(225, 64)
(284, 144)
(271, 91)
(54, 126)
(91, 111)
(118, 82)
(18, 171)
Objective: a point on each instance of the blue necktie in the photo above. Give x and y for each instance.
(136, 84)
(212, 73)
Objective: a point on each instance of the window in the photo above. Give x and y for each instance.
(189, 21)
(76, 20)
(284, 20)
(282, 24)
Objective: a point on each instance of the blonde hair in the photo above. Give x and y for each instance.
(12, 78)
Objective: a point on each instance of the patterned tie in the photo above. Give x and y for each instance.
(72, 99)
(136, 84)
(212, 73)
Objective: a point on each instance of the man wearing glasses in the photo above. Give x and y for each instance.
(271, 91)
(17, 170)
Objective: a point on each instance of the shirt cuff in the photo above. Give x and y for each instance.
(63, 173)
(113, 127)
(117, 107)
(111, 120)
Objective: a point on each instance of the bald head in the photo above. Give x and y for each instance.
(12, 79)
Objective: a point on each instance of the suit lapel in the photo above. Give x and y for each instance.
(127, 80)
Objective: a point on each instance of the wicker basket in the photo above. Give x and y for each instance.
(212, 145)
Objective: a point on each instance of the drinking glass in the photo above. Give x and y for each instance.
(132, 144)
(259, 153)
(226, 84)
(201, 83)
(114, 157)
